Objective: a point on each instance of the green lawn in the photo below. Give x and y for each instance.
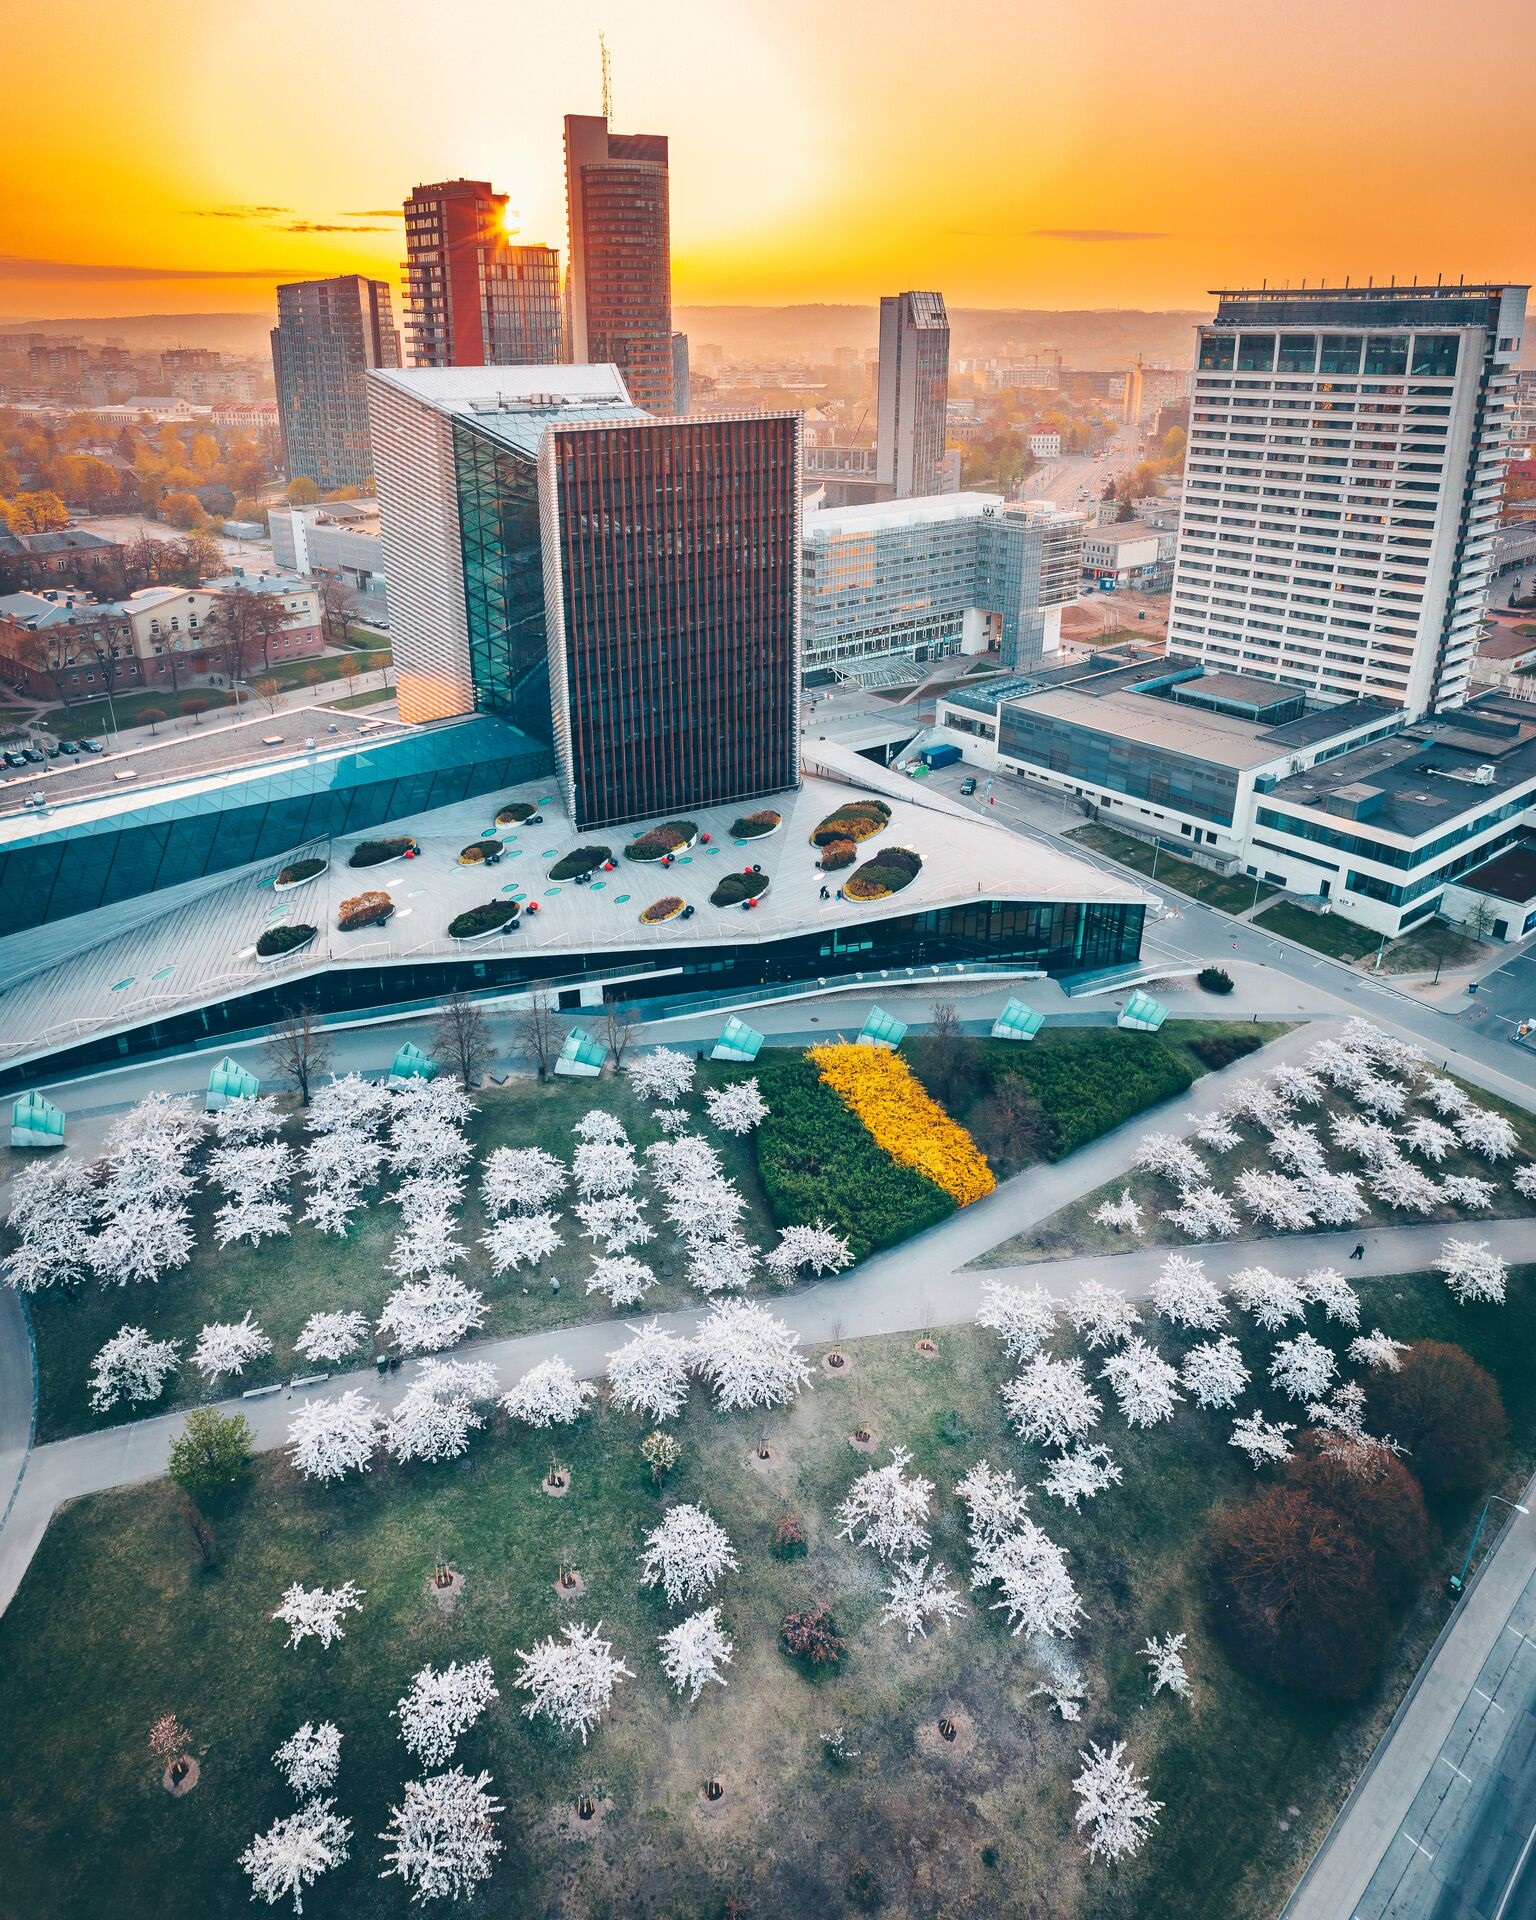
(320, 672)
(1417, 952)
(1231, 895)
(370, 697)
(89, 719)
(117, 1623)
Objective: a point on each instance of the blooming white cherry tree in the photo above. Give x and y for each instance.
(605, 1167)
(678, 1164)
(1473, 1272)
(749, 1358)
(1165, 1664)
(1381, 1096)
(227, 1346)
(686, 1555)
(617, 1222)
(332, 1336)
(1447, 1099)
(434, 1417)
(1489, 1135)
(891, 1509)
(50, 1213)
(672, 1119)
(318, 1612)
(521, 1239)
(1327, 1288)
(706, 1209)
(442, 1842)
(995, 1503)
(1295, 1148)
(1302, 1367)
(438, 1708)
(650, 1374)
(1050, 1403)
(1400, 1185)
(1369, 1140)
(1262, 1439)
(549, 1395)
(295, 1850)
(1296, 1086)
(132, 1367)
(624, 1279)
(1258, 1101)
(330, 1438)
(1204, 1213)
(1377, 1349)
(736, 1108)
(918, 1594)
(1143, 1382)
(1182, 1293)
(572, 1680)
(1115, 1812)
(694, 1651)
(309, 1759)
(521, 1180)
(599, 1125)
(816, 1247)
(1272, 1298)
(1122, 1215)
(1037, 1594)
(1523, 1180)
(140, 1238)
(1171, 1158)
(1215, 1131)
(1275, 1199)
(1101, 1315)
(1336, 1199)
(661, 1074)
(254, 1173)
(424, 1316)
(1340, 1420)
(1466, 1190)
(1429, 1137)
(1080, 1473)
(1024, 1318)
(1215, 1373)
(427, 1245)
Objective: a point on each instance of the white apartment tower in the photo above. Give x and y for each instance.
(1342, 486)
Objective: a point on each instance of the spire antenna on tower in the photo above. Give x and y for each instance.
(602, 41)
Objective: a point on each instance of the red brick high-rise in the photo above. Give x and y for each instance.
(618, 287)
(473, 299)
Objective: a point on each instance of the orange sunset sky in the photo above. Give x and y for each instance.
(163, 156)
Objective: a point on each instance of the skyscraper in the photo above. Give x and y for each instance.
(623, 586)
(1342, 486)
(913, 393)
(328, 334)
(473, 299)
(619, 261)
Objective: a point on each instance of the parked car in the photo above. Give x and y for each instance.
(968, 785)
(14, 757)
(34, 754)
(69, 747)
(93, 746)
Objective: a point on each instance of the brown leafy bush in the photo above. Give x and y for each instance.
(812, 1636)
(789, 1539)
(1380, 1499)
(838, 853)
(1447, 1411)
(363, 910)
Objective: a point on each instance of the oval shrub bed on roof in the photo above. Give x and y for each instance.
(276, 941)
(364, 910)
(733, 888)
(494, 917)
(514, 813)
(855, 821)
(838, 853)
(753, 826)
(478, 851)
(579, 861)
(374, 853)
(299, 872)
(668, 907)
(670, 837)
(883, 874)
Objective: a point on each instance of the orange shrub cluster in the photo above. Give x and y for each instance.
(913, 1129)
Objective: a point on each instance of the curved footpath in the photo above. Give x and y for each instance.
(922, 1284)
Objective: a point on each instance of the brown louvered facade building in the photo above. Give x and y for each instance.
(671, 578)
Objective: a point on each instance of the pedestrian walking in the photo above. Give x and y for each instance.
(1359, 1252)
(554, 1283)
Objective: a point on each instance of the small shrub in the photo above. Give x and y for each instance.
(661, 1452)
(657, 841)
(838, 853)
(486, 919)
(1214, 980)
(579, 861)
(373, 853)
(668, 907)
(751, 826)
(953, 1428)
(858, 820)
(789, 1539)
(812, 1636)
(863, 1888)
(211, 1454)
(736, 887)
(301, 870)
(478, 850)
(364, 910)
(514, 813)
(276, 940)
(1447, 1411)
(1218, 1050)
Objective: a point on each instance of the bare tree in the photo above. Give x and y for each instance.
(536, 1029)
(461, 1036)
(620, 1029)
(270, 691)
(335, 599)
(299, 1050)
(944, 1030)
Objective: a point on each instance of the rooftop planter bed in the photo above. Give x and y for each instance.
(886, 873)
(299, 874)
(838, 853)
(579, 862)
(478, 852)
(364, 910)
(736, 887)
(672, 836)
(477, 923)
(377, 853)
(858, 820)
(667, 908)
(514, 813)
(278, 942)
(757, 826)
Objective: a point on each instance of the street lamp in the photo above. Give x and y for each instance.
(1458, 1580)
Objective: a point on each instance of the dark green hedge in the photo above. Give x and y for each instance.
(1221, 1049)
(373, 853)
(495, 913)
(301, 870)
(736, 887)
(578, 861)
(1095, 1081)
(283, 940)
(818, 1162)
(670, 837)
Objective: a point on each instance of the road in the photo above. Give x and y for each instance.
(1442, 1823)
(1065, 478)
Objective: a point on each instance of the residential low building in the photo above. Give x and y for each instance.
(340, 536)
(1128, 553)
(1502, 653)
(1044, 445)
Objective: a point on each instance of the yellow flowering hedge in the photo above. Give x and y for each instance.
(913, 1129)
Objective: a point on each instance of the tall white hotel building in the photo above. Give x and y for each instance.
(1342, 485)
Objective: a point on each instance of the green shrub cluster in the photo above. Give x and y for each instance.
(373, 853)
(1101, 1079)
(1214, 980)
(300, 870)
(818, 1162)
(1221, 1049)
(736, 887)
(666, 838)
(752, 826)
(579, 861)
(887, 872)
(486, 919)
(514, 813)
(857, 821)
(277, 940)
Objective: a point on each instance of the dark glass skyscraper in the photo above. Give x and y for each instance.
(328, 334)
(619, 261)
(914, 393)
